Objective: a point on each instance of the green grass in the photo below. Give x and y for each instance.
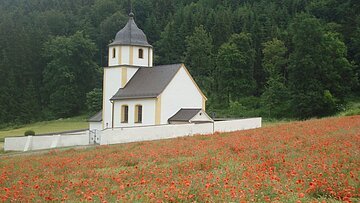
(352, 108)
(75, 123)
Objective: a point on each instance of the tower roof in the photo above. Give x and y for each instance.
(131, 35)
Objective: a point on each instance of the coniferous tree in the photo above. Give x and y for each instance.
(318, 67)
(198, 57)
(235, 61)
(70, 73)
(276, 95)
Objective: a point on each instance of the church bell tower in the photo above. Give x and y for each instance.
(128, 52)
(130, 47)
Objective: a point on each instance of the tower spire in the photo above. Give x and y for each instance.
(131, 14)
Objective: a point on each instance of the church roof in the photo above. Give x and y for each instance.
(131, 35)
(97, 117)
(148, 82)
(184, 115)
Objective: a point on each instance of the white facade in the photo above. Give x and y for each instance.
(114, 79)
(129, 55)
(124, 61)
(111, 84)
(180, 93)
(148, 115)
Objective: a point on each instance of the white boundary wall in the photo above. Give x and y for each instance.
(136, 134)
(235, 125)
(129, 134)
(46, 142)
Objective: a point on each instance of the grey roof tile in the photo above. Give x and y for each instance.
(131, 35)
(148, 82)
(97, 117)
(184, 115)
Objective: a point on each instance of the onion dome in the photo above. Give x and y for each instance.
(131, 35)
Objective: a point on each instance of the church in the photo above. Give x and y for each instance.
(136, 93)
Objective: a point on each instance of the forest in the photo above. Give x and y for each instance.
(272, 58)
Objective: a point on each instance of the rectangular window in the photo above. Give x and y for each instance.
(124, 114)
(114, 53)
(138, 114)
(141, 53)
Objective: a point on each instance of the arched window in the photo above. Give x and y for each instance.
(114, 53)
(124, 113)
(138, 114)
(141, 53)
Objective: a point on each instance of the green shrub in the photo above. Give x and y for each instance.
(29, 133)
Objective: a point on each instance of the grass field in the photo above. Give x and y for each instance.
(60, 125)
(311, 161)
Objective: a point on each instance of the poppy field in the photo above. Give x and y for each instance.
(309, 161)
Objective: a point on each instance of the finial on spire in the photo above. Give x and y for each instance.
(131, 14)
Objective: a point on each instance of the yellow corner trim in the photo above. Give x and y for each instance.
(203, 104)
(131, 55)
(158, 110)
(123, 77)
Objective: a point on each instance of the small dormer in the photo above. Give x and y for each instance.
(130, 47)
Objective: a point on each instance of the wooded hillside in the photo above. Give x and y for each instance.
(274, 58)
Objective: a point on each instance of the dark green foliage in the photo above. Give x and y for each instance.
(235, 62)
(94, 101)
(290, 57)
(276, 95)
(69, 74)
(198, 58)
(29, 133)
(318, 69)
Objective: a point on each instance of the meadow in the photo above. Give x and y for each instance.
(74, 123)
(309, 161)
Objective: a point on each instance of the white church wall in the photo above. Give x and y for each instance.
(113, 61)
(112, 83)
(125, 55)
(131, 72)
(148, 109)
(141, 61)
(180, 93)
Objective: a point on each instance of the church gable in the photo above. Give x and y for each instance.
(181, 92)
